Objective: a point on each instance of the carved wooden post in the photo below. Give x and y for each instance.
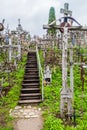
(66, 92)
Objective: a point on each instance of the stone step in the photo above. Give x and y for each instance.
(32, 60)
(29, 97)
(30, 84)
(30, 94)
(31, 77)
(31, 81)
(26, 80)
(32, 57)
(31, 52)
(31, 72)
(29, 101)
(31, 63)
(29, 89)
(31, 67)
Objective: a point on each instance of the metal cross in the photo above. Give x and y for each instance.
(66, 10)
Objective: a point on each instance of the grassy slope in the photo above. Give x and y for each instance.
(11, 99)
(52, 102)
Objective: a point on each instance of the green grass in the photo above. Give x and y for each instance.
(51, 103)
(11, 99)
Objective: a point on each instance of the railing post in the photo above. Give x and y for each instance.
(40, 71)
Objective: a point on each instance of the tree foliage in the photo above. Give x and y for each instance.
(52, 18)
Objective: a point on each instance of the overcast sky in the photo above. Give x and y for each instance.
(34, 13)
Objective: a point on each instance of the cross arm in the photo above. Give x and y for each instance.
(51, 26)
(74, 28)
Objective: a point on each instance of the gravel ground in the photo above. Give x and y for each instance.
(27, 118)
(29, 124)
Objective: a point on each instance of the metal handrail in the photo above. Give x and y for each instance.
(40, 71)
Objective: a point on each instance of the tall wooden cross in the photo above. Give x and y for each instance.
(66, 95)
(19, 29)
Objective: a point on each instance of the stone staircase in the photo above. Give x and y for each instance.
(30, 92)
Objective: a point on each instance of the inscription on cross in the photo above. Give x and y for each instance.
(66, 10)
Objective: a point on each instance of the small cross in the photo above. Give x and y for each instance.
(66, 10)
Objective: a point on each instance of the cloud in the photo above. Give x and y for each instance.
(34, 13)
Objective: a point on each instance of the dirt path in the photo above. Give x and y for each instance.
(29, 124)
(27, 118)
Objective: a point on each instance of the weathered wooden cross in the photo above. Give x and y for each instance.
(66, 94)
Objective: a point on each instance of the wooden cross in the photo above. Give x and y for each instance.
(66, 99)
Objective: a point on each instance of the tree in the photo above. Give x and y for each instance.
(52, 18)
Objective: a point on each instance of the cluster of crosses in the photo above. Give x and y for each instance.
(11, 48)
(7, 47)
(8, 44)
(67, 92)
(12, 42)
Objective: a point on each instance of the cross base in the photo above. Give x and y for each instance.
(66, 103)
